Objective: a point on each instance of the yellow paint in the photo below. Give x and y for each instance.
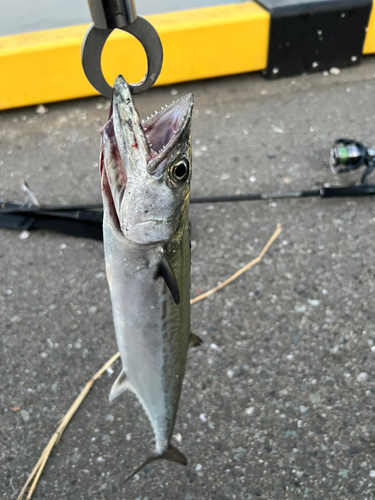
(202, 43)
(369, 45)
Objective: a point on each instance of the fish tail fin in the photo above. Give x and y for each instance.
(172, 454)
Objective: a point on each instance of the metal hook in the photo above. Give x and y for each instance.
(107, 16)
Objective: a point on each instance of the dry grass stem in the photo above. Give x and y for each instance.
(38, 469)
(242, 270)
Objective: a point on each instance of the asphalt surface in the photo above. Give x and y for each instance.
(278, 403)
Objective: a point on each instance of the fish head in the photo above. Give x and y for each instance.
(146, 168)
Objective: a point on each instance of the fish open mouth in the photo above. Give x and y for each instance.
(129, 145)
(163, 128)
(156, 135)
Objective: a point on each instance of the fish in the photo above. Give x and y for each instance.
(145, 172)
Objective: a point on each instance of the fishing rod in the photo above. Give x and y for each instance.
(85, 220)
(83, 210)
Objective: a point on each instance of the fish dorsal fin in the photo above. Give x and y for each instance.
(121, 384)
(172, 454)
(195, 340)
(165, 271)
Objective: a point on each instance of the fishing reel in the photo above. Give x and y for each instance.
(347, 155)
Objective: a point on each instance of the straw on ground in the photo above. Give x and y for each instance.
(38, 469)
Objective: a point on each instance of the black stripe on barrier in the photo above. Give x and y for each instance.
(315, 35)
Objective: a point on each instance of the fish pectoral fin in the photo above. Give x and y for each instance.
(172, 454)
(121, 384)
(165, 270)
(195, 341)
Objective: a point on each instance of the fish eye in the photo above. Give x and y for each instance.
(179, 171)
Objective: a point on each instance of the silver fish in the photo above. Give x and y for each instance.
(145, 171)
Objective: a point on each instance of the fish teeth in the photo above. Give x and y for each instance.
(161, 109)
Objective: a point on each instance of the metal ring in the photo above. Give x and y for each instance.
(92, 48)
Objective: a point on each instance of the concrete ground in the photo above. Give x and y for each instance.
(279, 401)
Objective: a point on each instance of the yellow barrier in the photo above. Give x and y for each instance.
(369, 45)
(202, 43)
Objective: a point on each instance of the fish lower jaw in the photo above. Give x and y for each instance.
(148, 232)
